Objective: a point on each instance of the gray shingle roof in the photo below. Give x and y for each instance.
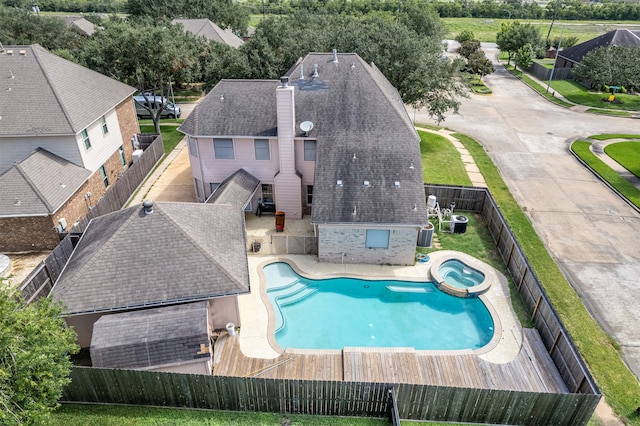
(237, 189)
(354, 109)
(181, 252)
(621, 37)
(151, 337)
(43, 94)
(209, 30)
(235, 108)
(39, 184)
(80, 24)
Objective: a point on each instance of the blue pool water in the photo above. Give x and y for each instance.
(457, 274)
(339, 312)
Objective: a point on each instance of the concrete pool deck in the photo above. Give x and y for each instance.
(254, 338)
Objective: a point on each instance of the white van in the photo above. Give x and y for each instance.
(170, 111)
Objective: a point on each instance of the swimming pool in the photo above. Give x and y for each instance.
(339, 312)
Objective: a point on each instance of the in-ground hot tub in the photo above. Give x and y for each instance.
(457, 278)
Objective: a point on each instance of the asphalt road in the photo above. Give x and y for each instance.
(593, 235)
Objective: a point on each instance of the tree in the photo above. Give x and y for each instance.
(610, 66)
(468, 47)
(513, 36)
(465, 35)
(34, 357)
(414, 64)
(147, 57)
(524, 56)
(479, 64)
(22, 27)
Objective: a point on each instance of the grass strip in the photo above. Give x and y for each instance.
(606, 136)
(608, 112)
(600, 352)
(448, 169)
(626, 154)
(118, 415)
(620, 184)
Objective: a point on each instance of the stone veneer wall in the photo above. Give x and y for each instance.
(333, 241)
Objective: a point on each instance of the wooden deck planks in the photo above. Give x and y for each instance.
(531, 371)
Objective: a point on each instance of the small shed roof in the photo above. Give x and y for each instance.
(151, 337)
(237, 189)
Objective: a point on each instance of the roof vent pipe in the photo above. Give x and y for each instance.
(315, 70)
(335, 56)
(147, 205)
(284, 81)
(301, 70)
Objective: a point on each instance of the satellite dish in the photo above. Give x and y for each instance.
(306, 127)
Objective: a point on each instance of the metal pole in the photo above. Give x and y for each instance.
(555, 60)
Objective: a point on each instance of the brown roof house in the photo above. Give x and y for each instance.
(332, 140)
(567, 58)
(170, 271)
(207, 29)
(66, 136)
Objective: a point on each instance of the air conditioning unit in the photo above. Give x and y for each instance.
(62, 223)
(136, 155)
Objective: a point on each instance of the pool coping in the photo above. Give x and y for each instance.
(503, 347)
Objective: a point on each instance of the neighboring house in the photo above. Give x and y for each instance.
(80, 24)
(171, 338)
(207, 29)
(571, 56)
(332, 139)
(60, 122)
(146, 257)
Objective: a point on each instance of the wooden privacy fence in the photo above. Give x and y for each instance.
(42, 278)
(415, 402)
(557, 341)
(125, 186)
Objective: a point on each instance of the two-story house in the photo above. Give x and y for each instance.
(332, 139)
(65, 136)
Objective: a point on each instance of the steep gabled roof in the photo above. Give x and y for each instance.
(621, 37)
(209, 30)
(39, 185)
(179, 253)
(151, 337)
(354, 109)
(44, 94)
(237, 189)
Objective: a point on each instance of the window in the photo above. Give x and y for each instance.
(377, 238)
(213, 187)
(261, 147)
(267, 193)
(123, 160)
(223, 149)
(309, 195)
(309, 150)
(103, 121)
(85, 139)
(193, 146)
(105, 178)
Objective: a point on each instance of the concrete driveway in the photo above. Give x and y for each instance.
(593, 235)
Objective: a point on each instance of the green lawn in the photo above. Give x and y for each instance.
(170, 135)
(577, 93)
(623, 186)
(486, 29)
(113, 415)
(441, 162)
(627, 154)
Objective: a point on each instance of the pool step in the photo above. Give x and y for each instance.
(296, 296)
(409, 288)
(287, 289)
